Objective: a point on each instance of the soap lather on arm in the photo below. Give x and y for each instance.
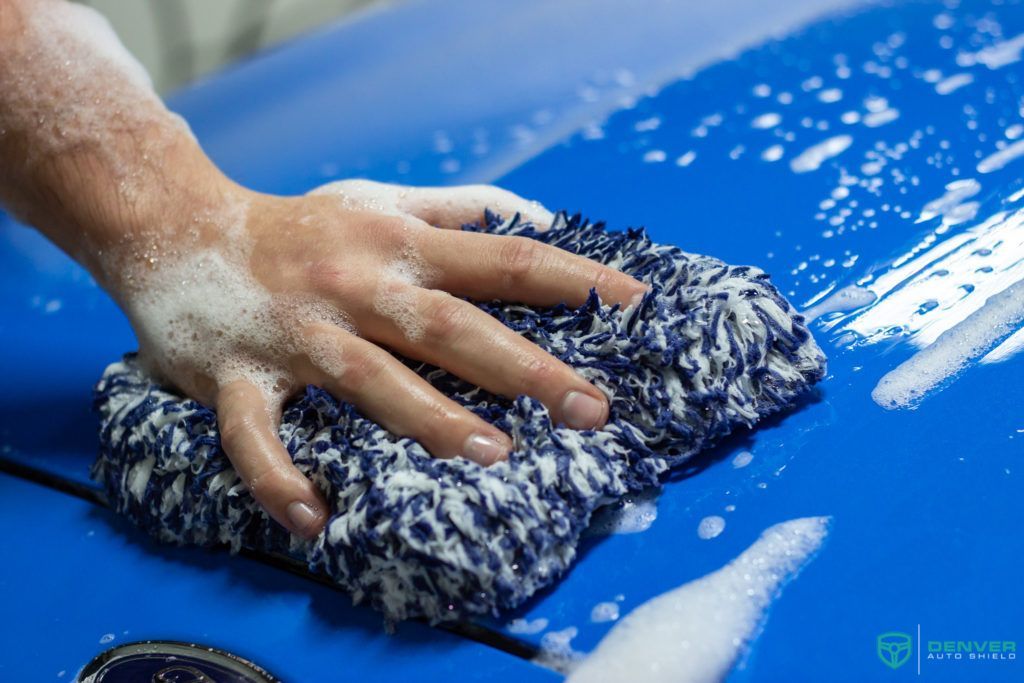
(239, 298)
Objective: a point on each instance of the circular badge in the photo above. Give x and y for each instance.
(162, 661)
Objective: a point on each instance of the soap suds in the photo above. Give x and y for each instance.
(846, 299)
(910, 382)
(524, 627)
(1010, 347)
(766, 121)
(742, 459)
(604, 612)
(813, 157)
(995, 56)
(710, 527)
(695, 633)
(951, 205)
(953, 83)
(631, 515)
(997, 160)
(556, 650)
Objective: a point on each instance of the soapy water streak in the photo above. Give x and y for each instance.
(696, 632)
(957, 297)
(1000, 317)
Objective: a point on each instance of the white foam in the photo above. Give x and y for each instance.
(953, 83)
(524, 627)
(711, 527)
(695, 633)
(766, 121)
(951, 204)
(908, 384)
(830, 95)
(846, 299)
(995, 56)
(556, 650)
(999, 159)
(773, 153)
(686, 159)
(742, 459)
(813, 157)
(1010, 347)
(604, 612)
(633, 514)
(880, 118)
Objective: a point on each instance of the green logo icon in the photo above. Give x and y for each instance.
(894, 649)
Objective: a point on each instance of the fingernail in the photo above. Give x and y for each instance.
(484, 449)
(303, 518)
(581, 411)
(637, 298)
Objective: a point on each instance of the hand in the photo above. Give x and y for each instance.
(267, 294)
(240, 299)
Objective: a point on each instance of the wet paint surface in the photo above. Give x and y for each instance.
(108, 585)
(879, 151)
(910, 193)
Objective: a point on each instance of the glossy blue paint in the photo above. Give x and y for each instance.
(89, 582)
(922, 500)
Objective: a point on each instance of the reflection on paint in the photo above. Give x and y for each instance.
(940, 282)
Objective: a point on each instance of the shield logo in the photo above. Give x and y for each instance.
(894, 648)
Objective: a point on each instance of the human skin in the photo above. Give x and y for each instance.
(240, 299)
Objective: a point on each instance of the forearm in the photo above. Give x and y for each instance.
(90, 155)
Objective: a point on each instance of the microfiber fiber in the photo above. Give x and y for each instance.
(711, 347)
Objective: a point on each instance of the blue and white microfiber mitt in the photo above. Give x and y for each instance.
(712, 347)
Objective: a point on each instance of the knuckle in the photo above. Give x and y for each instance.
(389, 230)
(440, 423)
(518, 257)
(603, 279)
(445, 317)
(266, 485)
(331, 278)
(538, 375)
(363, 371)
(234, 431)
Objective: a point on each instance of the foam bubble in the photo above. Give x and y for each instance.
(1001, 158)
(631, 515)
(953, 83)
(846, 299)
(813, 157)
(742, 459)
(951, 205)
(766, 121)
(711, 527)
(604, 612)
(524, 627)
(556, 649)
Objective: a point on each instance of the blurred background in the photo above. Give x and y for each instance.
(178, 40)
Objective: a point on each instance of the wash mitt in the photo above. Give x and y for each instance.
(710, 349)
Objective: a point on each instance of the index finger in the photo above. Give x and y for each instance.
(483, 266)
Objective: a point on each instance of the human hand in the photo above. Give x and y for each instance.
(263, 295)
(240, 299)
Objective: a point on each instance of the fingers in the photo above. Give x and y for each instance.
(390, 393)
(453, 207)
(482, 266)
(249, 437)
(440, 329)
